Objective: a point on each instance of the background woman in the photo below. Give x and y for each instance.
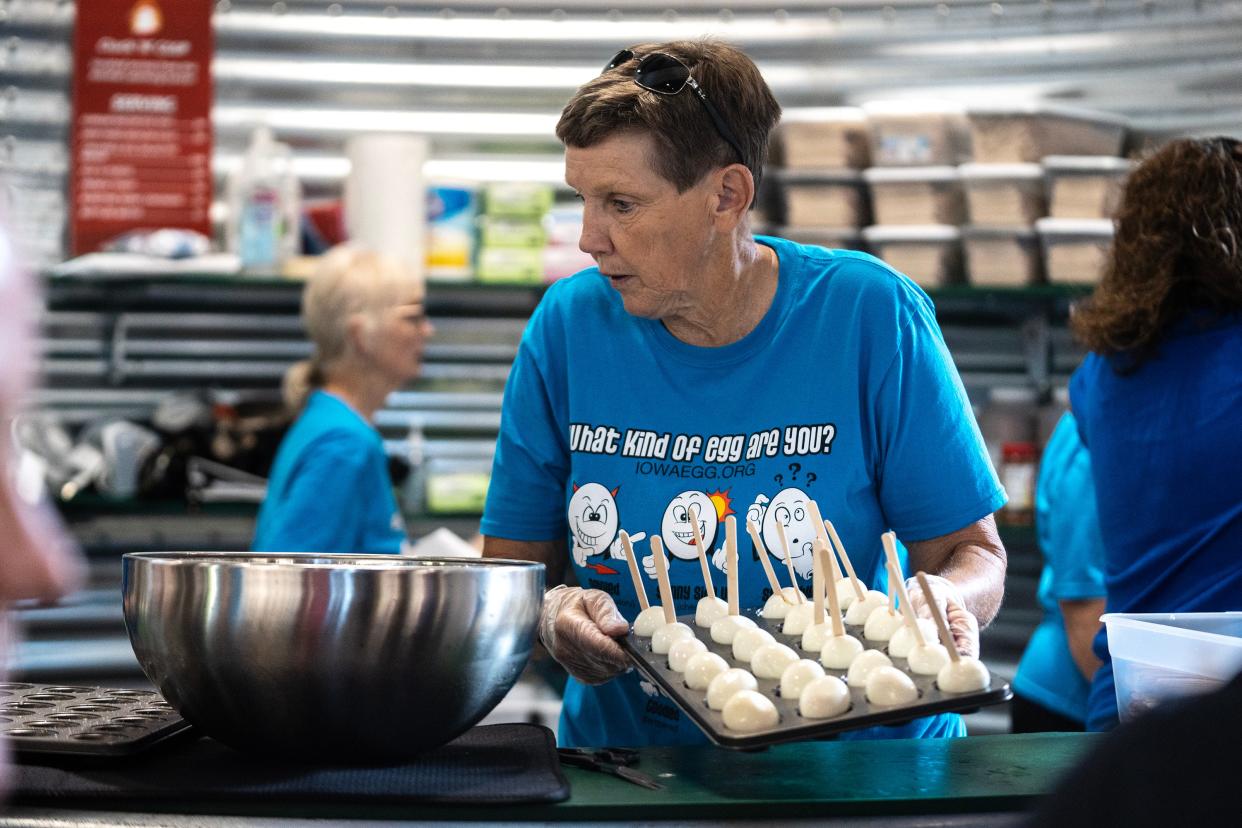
(329, 489)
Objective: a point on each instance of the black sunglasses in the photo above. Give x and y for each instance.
(666, 75)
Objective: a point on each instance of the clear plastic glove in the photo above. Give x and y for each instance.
(577, 626)
(962, 624)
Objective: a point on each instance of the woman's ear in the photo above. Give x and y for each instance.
(358, 333)
(735, 190)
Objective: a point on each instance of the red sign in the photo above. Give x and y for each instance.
(141, 144)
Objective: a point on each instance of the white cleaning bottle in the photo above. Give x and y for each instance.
(264, 205)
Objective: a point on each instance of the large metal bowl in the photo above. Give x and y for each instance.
(361, 658)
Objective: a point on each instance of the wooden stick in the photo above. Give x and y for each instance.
(793, 577)
(752, 529)
(845, 559)
(889, 541)
(731, 558)
(817, 582)
(946, 637)
(834, 604)
(698, 544)
(906, 611)
(633, 562)
(666, 591)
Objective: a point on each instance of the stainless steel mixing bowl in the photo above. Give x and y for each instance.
(361, 658)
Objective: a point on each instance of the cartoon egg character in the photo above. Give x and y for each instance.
(676, 531)
(593, 518)
(788, 508)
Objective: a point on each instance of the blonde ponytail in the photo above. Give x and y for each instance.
(300, 380)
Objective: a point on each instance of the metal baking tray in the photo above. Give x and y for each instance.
(85, 721)
(792, 727)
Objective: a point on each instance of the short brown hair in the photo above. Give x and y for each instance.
(689, 146)
(1178, 248)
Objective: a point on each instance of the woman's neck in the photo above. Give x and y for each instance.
(360, 390)
(738, 293)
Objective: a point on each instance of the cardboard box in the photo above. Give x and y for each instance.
(917, 133)
(824, 137)
(828, 198)
(916, 195)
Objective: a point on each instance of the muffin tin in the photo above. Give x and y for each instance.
(792, 726)
(85, 721)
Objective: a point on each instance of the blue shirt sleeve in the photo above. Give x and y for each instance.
(525, 499)
(324, 504)
(933, 471)
(1069, 526)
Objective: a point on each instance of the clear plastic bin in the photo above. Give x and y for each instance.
(916, 195)
(831, 238)
(917, 133)
(1075, 250)
(1003, 256)
(1158, 657)
(931, 255)
(1085, 186)
(1004, 194)
(835, 136)
(825, 198)
(1003, 134)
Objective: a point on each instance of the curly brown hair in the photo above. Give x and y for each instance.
(1177, 249)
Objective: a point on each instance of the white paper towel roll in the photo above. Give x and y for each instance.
(385, 196)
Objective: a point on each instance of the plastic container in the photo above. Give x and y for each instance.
(832, 239)
(1085, 186)
(1004, 194)
(1019, 462)
(917, 133)
(931, 255)
(1002, 256)
(452, 211)
(1158, 657)
(822, 137)
(1008, 134)
(825, 198)
(916, 195)
(264, 205)
(1075, 250)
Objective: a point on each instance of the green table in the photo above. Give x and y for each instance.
(812, 780)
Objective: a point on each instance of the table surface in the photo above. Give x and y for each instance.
(900, 778)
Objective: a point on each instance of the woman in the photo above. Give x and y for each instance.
(329, 490)
(1159, 399)
(701, 371)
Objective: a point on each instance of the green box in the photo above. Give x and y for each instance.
(517, 198)
(502, 231)
(522, 265)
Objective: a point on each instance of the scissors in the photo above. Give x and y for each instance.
(614, 761)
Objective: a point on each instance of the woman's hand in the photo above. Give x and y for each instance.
(577, 626)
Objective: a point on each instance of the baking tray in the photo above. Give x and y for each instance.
(85, 721)
(792, 727)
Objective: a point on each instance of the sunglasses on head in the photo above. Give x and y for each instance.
(666, 75)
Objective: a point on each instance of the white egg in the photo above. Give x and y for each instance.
(682, 651)
(667, 634)
(814, 636)
(845, 593)
(723, 686)
(726, 629)
(928, 659)
(969, 675)
(797, 676)
(857, 614)
(748, 712)
(648, 621)
(882, 623)
(903, 641)
(839, 652)
(777, 608)
(709, 611)
(770, 660)
(747, 641)
(888, 686)
(702, 668)
(798, 619)
(824, 698)
(863, 664)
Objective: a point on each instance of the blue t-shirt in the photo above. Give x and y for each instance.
(329, 490)
(1166, 450)
(1069, 538)
(844, 392)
